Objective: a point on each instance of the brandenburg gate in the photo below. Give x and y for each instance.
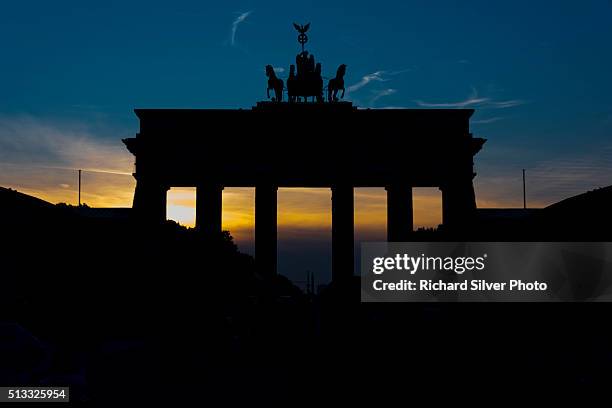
(306, 144)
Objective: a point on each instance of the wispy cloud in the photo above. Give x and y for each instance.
(40, 157)
(564, 176)
(377, 76)
(240, 19)
(26, 140)
(366, 79)
(473, 101)
(488, 120)
(382, 93)
(460, 104)
(550, 178)
(505, 104)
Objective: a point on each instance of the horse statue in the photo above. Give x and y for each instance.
(274, 83)
(336, 84)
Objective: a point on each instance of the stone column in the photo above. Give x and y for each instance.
(209, 208)
(399, 213)
(150, 198)
(447, 212)
(265, 229)
(343, 235)
(458, 204)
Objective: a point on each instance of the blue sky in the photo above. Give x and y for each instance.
(95, 61)
(538, 73)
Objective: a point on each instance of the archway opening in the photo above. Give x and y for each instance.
(304, 234)
(180, 205)
(239, 217)
(427, 207)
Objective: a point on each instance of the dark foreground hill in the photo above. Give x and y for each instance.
(589, 213)
(108, 304)
(128, 314)
(584, 217)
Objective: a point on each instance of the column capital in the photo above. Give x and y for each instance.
(210, 185)
(267, 186)
(399, 213)
(338, 191)
(405, 186)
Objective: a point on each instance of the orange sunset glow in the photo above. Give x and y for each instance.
(303, 213)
